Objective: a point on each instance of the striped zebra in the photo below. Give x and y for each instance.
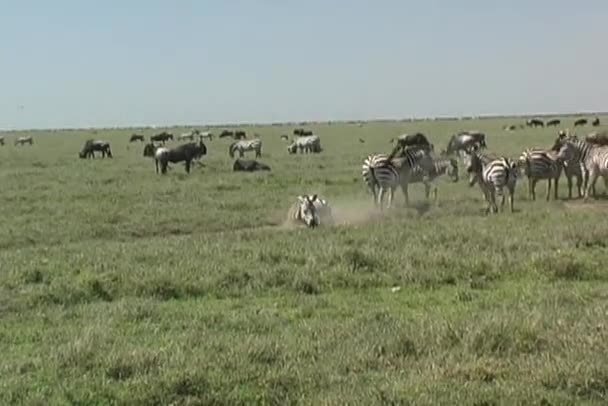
(575, 153)
(539, 164)
(492, 175)
(383, 174)
(308, 144)
(25, 140)
(310, 210)
(592, 160)
(441, 166)
(241, 146)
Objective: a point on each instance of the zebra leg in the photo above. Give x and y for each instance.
(549, 188)
(593, 175)
(533, 188)
(188, 166)
(511, 197)
(405, 194)
(427, 190)
(530, 189)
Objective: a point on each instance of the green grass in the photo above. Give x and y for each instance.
(120, 286)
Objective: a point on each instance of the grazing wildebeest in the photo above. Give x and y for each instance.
(240, 135)
(597, 138)
(511, 127)
(535, 122)
(580, 122)
(1, 139)
(246, 145)
(553, 123)
(308, 143)
(249, 165)
(90, 146)
(136, 137)
(162, 137)
(186, 152)
(596, 122)
(463, 141)
(24, 140)
(227, 133)
(302, 132)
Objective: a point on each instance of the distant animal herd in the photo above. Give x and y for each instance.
(411, 160)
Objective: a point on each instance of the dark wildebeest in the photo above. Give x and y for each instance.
(596, 122)
(416, 139)
(511, 127)
(90, 146)
(240, 135)
(463, 141)
(580, 122)
(24, 140)
(553, 123)
(302, 132)
(597, 138)
(535, 122)
(249, 165)
(226, 133)
(186, 152)
(1, 139)
(162, 137)
(136, 137)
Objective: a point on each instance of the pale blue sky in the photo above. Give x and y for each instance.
(72, 63)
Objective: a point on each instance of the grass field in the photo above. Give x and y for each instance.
(120, 286)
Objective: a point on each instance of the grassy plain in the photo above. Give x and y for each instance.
(120, 286)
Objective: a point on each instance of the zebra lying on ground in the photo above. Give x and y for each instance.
(90, 146)
(441, 166)
(382, 174)
(24, 140)
(539, 164)
(186, 152)
(311, 211)
(492, 176)
(308, 143)
(246, 145)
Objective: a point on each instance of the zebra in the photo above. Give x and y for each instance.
(186, 136)
(441, 166)
(308, 143)
(492, 175)
(574, 152)
(383, 173)
(254, 144)
(310, 210)
(592, 161)
(540, 164)
(25, 140)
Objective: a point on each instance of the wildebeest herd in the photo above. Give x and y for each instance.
(412, 160)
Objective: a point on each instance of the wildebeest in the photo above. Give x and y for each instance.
(24, 140)
(535, 122)
(597, 138)
(246, 145)
(162, 137)
(463, 141)
(596, 122)
(1, 139)
(308, 144)
(226, 133)
(511, 127)
(136, 137)
(580, 122)
(416, 139)
(553, 123)
(240, 135)
(302, 132)
(90, 146)
(249, 165)
(185, 152)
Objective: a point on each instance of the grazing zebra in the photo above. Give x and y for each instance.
(24, 140)
(205, 134)
(540, 164)
(383, 173)
(186, 136)
(308, 143)
(590, 158)
(303, 211)
(441, 166)
(246, 145)
(492, 176)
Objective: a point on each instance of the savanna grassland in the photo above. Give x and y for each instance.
(121, 286)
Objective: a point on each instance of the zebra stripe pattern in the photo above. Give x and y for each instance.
(575, 152)
(241, 146)
(441, 166)
(597, 164)
(493, 176)
(540, 165)
(309, 143)
(381, 177)
(311, 211)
